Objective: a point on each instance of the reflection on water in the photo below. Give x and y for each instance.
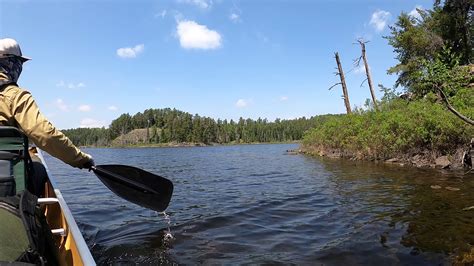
(256, 204)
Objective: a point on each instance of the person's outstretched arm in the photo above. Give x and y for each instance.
(43, 133)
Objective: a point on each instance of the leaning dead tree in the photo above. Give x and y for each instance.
(443, 96)
(367, 71)
(340, 73)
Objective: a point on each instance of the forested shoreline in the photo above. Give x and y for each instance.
(171, 126)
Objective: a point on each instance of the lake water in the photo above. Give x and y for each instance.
(257, 204)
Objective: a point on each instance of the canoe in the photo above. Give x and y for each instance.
(72, 248)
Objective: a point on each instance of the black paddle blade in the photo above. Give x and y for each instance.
(136, 185)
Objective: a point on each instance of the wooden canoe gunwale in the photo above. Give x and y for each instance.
(73, 249)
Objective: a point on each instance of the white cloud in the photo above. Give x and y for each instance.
(61, 105)
(379, 20)
(70, 85)
(234, 17)
(414, 13)
(194, 36)
(284, 98)
(75, 85)
(241, 103)
(130, 52)
(204, 4)
(84, 108)
(112, 108)
(90, 122)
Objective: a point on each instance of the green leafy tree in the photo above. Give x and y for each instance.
(416, 41)
(456, 24)
(433, 53)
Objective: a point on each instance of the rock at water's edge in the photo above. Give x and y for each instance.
(442, 162)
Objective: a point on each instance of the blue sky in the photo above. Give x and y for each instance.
(94, 60)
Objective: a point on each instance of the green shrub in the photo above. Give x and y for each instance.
(400, 127)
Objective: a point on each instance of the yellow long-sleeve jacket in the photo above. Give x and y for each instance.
(18, 109)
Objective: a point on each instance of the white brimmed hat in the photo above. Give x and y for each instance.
(9, 47)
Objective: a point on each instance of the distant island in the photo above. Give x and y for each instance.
(171, 127)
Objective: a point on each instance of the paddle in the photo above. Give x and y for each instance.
(136, 185)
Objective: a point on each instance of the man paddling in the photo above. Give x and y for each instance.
(18, 109)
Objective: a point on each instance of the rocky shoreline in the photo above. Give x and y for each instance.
(419, 159)
(183, 144)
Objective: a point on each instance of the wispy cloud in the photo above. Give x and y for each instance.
(74, 86)
(130, 52)
(242, 103)
(112, 108)
(195, 36)
(359, 69)
(204, 4)
(161, 14)
(262, 37)
(61, 105)
(414, 13)
(235, 14)
(178, 16)
(84, 108)
(283, 98)
(379, 20)
(90, 122)
(81, 85)
(234, 17)
(70, 85)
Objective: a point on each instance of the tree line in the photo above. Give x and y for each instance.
(171, 125)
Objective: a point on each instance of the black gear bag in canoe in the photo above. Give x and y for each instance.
(24, 234)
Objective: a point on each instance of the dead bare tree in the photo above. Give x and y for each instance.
(367, 71)
(340, 73)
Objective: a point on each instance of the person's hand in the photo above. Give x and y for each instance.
(88, 165)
